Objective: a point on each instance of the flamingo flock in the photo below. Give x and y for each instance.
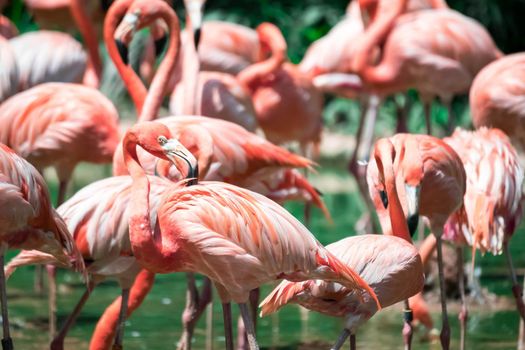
(201, 191)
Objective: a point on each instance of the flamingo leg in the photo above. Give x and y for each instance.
(58, 341)
(38, 283)
(407, 327)
(365, 136)
(445, 327)
(52, 300)
(428, 117)
(228, 332)
(7, 342)
(521, 338)
(195, 306)
(62, 190)
(451, 116)
(209, 326)
(247, 318)
(463, 314)
(341, 340)
(242, 338)
(121, 319)
(516, 288)
(402, 114)
(353, 345)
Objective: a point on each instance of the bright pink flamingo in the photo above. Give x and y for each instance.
(390, 265)
(412, 175)
(28, 221)
(497, 95)
(287, 105)
(104, 243)
(492, 201)
(261, 241)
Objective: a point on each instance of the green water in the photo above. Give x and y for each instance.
(157, 325)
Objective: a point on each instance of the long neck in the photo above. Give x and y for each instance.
(146, 249)
(190, 74)
(86, 28)
(397, 216)
(131, 80)
(251, 75)
(427, 249)
(166, 69)
(376, 33)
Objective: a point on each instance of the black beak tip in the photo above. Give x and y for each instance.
(197, 38)
(412, 222)
(160, 44)
(122, 50)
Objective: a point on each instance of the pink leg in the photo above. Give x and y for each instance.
(58, 341)
(521, 338)
(463, 314)
(52, 300)
(242, 337)
(250, 330)
(38, 284)
(407, 327)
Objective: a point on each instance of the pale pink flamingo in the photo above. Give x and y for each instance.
(28, 221)
(287, 105)
(390, 265)
(9, 72)
(97, 217)
(260, 243)
(497, 96)
(492, 202)
(412, 175)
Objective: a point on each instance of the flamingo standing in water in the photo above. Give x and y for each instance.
(261, 241)
(412, 175)
(497, 96)
(28, 221)
(390, 265)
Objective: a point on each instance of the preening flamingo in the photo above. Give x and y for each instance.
(97, 217)
(492, 201)
(60, 125)
(497, 97)
(28, 221)
(412, 175)
(287, 105)
(256, 240)
(390, 265)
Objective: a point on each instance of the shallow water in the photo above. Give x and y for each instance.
(157, 325)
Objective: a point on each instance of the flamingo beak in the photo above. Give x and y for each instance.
(412, 195)
(194, 9)
(175, 152)
(124, 34)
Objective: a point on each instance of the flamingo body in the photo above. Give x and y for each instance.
(9, 72)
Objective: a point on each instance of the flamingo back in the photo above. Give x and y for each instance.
(47, 56)
(60, 124)
(9, 72)
(494, 189)
(390, 265)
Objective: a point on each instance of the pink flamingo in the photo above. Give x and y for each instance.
(7, 28)
(104, 244)
(496, 96)
(258, 229)
(412, 175)
(281, 93)
(28, 221)
(492, 201)
(9, 72)
(390, 265)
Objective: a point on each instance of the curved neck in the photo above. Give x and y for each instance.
(395, 210)
(167, 67)
(87, 30)
(253, 74)
(146, 249)
(382, 23)
(190, 75)
(131, 80)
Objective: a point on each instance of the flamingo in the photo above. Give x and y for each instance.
(390, 265)
(7, 28)
(256, 241)
(492, 201)
(434, 66)
(97, 217)
(28, 221)
(287, 105)
(9, 72)
(497, 95)
(412, 175)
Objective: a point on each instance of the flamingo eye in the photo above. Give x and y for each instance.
(162, 140)
(384, 198)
